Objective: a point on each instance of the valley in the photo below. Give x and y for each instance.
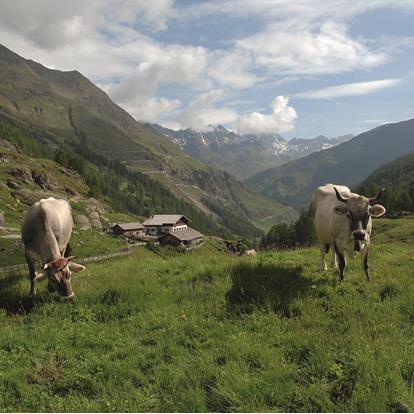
(348, 163)
(64, 108)
(165, 245)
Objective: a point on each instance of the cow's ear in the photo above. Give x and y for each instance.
(47, 266)
(40, 276)
(377, 210)
(341, 209)
(75, 267)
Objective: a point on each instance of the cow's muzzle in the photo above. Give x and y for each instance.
(359, 235)
(69, 297)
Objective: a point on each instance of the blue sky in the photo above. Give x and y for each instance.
(298, 68)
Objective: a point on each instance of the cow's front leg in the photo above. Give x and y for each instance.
(365, 264)
(32, 271)
(324, 249)
(334, 261)
(341, 261)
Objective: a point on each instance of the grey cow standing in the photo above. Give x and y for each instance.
(343, 222)
(46, 232)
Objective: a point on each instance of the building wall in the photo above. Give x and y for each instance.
(118, 231)
(156, 230)
(180, 227)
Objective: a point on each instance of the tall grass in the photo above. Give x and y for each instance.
(204, 331)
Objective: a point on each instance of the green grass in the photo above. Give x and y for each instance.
(92, 242)
(11, 252)
(205, 331)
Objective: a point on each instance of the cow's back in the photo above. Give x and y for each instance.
(44, 219)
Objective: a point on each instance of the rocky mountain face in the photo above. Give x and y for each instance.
(244, 155)
(25, 180)
(300, 147)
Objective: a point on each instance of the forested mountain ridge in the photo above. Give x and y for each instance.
(348, 163)
(64, 108)
(29, 171)
(397, 177)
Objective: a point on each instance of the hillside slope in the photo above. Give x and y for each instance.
(59, 108)
(109, 182)
(348, 163)
(398, 178)
(24, 180)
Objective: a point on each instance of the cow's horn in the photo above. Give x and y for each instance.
(339, 197)
(378, 198)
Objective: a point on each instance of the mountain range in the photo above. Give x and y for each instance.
(64, 109)
(244, 155)
(348, 163)
(148, 168)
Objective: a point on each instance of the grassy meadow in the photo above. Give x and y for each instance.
(207, 331)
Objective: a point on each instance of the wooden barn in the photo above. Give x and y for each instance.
(159, 224)
(188, 237)
(128, 229)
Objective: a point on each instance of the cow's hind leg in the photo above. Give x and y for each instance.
(365, 263)
(32, 270)
(324, 249)
(341, 262)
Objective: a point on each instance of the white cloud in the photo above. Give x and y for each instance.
(162, 65)
(203, 112)
(280, 120)
(112, 42)
(289, 13)
(232, 69)
(54, 23)
(326, 50)
(148, 109)
(349, 89)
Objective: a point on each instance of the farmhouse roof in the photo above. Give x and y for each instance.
(186, 235)
(130, 226)
(165, 219)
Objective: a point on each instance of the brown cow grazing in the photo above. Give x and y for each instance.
(46, 232)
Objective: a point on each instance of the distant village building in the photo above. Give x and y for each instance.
(128, 229)
(159, 224)
(188, 237)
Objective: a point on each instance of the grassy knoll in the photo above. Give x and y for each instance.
(205, 331)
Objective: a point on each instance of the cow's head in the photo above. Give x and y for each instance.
(59, 272)
(359, 210)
